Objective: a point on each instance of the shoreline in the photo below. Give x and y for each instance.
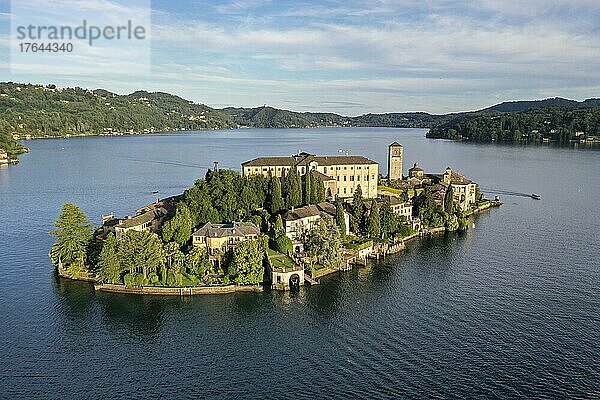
(177, 291)
(227, 289)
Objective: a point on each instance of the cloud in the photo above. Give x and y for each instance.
(386, 54)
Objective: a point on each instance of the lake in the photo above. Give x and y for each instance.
(509, 309)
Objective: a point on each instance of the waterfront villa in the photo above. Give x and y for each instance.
(217, 239)
(341, 174)
(298, 221)
(148, 221)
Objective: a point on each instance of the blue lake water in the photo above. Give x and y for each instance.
(511, 309)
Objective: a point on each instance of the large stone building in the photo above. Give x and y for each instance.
(341, 174)
(395, 156)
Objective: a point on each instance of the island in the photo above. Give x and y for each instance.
(282, 222)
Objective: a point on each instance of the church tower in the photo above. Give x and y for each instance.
(395, 155)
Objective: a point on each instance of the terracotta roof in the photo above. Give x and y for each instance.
(395, 144)
(310, 211)
(304, 159)
(240, 229)
(324, 177)
(148, 216)
(458, 179)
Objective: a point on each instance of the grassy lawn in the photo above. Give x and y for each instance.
(280, 261)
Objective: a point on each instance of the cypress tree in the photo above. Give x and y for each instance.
(318, 188)
(339, 217)
(293, 189)
(449, 200)
(374, 225)
(275, 199)
(358, 206)
(308, 188)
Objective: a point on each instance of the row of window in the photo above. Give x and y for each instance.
(302, 169)
(366, 178)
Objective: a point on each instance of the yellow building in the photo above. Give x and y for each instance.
(218, 239)
(341, 174)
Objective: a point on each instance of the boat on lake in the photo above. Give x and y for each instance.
(536, 196)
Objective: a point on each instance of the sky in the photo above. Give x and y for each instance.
(350, 57)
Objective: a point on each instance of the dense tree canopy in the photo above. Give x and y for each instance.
(73, 235)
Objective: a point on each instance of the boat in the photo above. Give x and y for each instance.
(536, 196)
(155, 192)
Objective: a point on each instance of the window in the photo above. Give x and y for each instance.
(344, 190)
(351, 178)
(373, 177)
(344, 178)
(338, 189)
(358, 178)
(325, 170)
(367, 178)
(338, 178)
(351, 190)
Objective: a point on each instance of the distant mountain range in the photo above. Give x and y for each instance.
(34, 111)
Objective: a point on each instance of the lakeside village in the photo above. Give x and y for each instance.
(284, 221)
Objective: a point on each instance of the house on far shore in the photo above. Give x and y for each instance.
(299, 220)
(217, 239)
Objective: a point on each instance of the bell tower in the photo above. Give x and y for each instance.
(395, 155)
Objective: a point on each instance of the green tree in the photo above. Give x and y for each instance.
(318, 188)
(246, 265)
(324, 243)
(73, 234)
(141, 252)
(449, 200)
(275, 199)
(109, 265)
(358, 207)
(179, 228)
(339, 217)
(374, 224)
(197, 262)
(308, 192)
(293, 189)
(389, 221)
(279, 241)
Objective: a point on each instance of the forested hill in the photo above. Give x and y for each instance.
(269, 117)
(517, 106)
(32, 111)
(47, 111)
(559, 123)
